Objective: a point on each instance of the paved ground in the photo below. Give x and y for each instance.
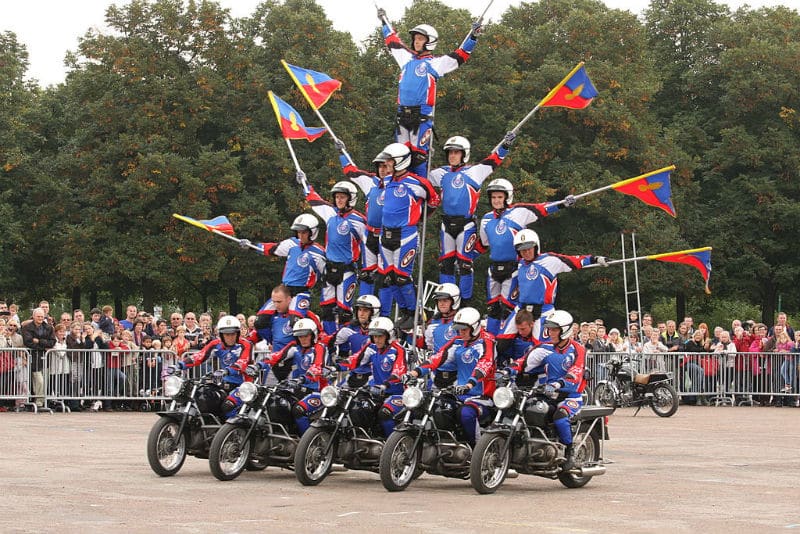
(703, 470)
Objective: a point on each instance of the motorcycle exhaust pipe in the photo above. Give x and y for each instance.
(592, 471)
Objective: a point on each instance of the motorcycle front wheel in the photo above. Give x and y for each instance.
(311, 463)
(589, 452)
(398, 465)
(665, 400)
(229, 452)
(604, 396)
(489, 465)
(166, 449)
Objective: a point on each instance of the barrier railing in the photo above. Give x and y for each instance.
(111, 378)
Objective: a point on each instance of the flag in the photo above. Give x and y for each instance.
(317, 87)
(652, 188)
(576, 91)
(265, 248)
(700, 258)
(220, 224)
(291, 123)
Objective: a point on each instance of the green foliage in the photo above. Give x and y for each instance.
(168, 113)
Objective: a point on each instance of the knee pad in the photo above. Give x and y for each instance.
(385, 414)
(367, 277)
(402, 280)
(263, 321)
(465, 267)
(560, 413)
(298, 410)
(448, 265)
(328, 312)
(496, 310)
(227, 405)
(418, 157)
(345, 317)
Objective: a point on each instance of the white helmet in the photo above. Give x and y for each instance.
(381, 326)
(306, 222)
(305, 326)
(525, 239)
(504, 186)
(467, 318)
(560, 319)
(398, 152)
(429, 32)
(368, 301)
(347, 188)
(228, 324)
(448, 291)
(458, 143)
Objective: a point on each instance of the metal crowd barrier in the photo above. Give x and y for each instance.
(106, 378)
(744, 378)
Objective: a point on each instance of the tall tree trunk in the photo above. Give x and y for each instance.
(92, 299)
(680, 306)
(233, 305)
(204, 297)
(768, 304)
(119, 311)
(76, 298)
(147, 297)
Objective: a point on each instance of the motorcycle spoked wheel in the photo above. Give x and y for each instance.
(665, 400)
(589, 452)
(489, 466)
(166, 450)
(311, 463)
(603, 396)
(398, 465)
(229, 452)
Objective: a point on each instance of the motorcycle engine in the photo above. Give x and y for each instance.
(445, 413)
(209, 398)
(362, 412)
(541, 451)
(279, 408)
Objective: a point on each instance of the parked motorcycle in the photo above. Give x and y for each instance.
(189, 425)
(263, 433)
(625, 387)
(347, 432)
(429, 438)
(523, 437)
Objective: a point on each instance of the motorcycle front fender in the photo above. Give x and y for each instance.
(176, 416)
(324, 423)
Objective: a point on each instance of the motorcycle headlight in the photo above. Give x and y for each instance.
(329, 396)
(412, 397)
(503, 398)
(248, 391)
(173, 385)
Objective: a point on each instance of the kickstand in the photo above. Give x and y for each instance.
(637, 410)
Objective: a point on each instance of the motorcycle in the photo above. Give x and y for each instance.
(189, 425)
(625, 387)
(347, 432)
(263, 433)
(429, 438)
(523, 437)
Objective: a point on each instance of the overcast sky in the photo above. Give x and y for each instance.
(48, 28)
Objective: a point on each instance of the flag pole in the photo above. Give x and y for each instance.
(212, 230)
(615, 184)
(547, 97)
(649, 257)
(479, 20)
(420, 303)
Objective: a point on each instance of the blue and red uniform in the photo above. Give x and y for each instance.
(563, 366)
(403, 198)
(234, 359)
(497, 231)
(305, 264)
(460, 189)
(344, 234)
(475, 366)
(372, 187)
(535, 287)
(386, 366)
(416, 95)
(351, 338)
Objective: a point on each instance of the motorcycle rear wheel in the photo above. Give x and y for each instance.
(489, 465)
(587, 453)
(398, 465)
(311, 463)
(604, 396)
(166, 451)
(229, 453)
(665, 400)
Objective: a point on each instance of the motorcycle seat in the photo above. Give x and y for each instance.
(593, 412)
(642, 379)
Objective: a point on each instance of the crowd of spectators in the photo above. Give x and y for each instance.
(132, 352)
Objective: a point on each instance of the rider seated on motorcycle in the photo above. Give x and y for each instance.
(562, 361)
(354, 336)
(233, 353)
(473, 354)
(308, 357)
(385, 359)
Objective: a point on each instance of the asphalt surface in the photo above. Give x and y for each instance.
(706, 469)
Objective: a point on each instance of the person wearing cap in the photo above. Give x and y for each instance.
(615, 342)
(419, 72)
(473, 354)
